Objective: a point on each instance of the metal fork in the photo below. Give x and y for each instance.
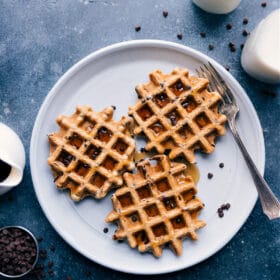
(269, 202)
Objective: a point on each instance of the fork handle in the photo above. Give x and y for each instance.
(269, 202)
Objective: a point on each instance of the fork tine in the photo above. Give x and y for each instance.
(201, 74)
(218, 85)
(227, 91)
(214, 84)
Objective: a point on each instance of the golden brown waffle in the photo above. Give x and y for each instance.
(176, 112)
(156, 207)
(90, 152)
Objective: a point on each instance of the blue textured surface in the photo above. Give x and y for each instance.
(40, 40)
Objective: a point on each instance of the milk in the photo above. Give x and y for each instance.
(217, 6)
(261, 53)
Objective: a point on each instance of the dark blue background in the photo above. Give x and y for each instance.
(40, 40)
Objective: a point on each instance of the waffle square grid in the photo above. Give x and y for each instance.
(157, 206)
(176, 112)
(90, 152)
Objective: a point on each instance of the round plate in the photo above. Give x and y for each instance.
(108, 77)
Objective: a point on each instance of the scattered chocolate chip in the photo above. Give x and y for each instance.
(268, 92)
(229, 26)
(227, 206)
(178, 220)
(221, 165)
(263, 4)
(210, 175)
(223, 207)
(114, 107)
(221, 214)
(143, 150)
(134, 218)
(39, 238)
(210, 47)
(137, 28)
(232, 47)
(227, 68)
(166, 201)
(105, 230)
(51, 272)
(165, 13)
(241, 46)
(245, 33)
(245, 21)
(43, 254)
(87, 273)
(180, 36)
(202, 34)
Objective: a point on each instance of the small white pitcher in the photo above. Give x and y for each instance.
(217, 6)
(12, 153)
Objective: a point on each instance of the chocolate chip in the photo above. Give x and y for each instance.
(245, 33)
(221, 214)
(202, 34)
(221, 165)
(137, 28)
(210, 47)
(166, 201)
(210, 175)
(263, 4)
(268, 92)
(229, 26)
(245, 21)
(227, 206)
(87, 273)
(178, 220)
(39, 238)
(180, 36)
(105, 230)
(165, 13)
(134, 218)
(114, 107)
(241, 46)
(142, 150)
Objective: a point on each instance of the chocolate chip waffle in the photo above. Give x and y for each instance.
(176, 112)
(90, 152)
(156, 207)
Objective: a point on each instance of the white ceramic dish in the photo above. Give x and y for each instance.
(108, 77)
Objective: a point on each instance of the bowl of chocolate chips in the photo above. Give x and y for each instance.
(18, 251)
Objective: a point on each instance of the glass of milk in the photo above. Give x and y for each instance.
(217, 6)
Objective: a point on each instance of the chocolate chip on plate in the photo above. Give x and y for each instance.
(165, 13)
(137, 28)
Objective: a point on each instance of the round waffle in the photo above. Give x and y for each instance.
(176, 112)
(157, 206)
(90, 152)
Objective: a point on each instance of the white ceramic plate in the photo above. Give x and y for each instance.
(108, 77)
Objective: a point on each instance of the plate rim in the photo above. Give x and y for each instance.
(103, 52)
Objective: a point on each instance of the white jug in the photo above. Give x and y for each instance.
(12, 156)
(217, 6)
